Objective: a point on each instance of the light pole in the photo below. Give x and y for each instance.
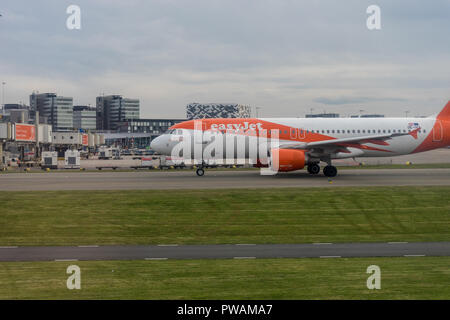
(406, 113)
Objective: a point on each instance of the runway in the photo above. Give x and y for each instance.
(238, 251)
(187, 179)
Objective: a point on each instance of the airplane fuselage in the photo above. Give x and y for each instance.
(300, 142)
(432, 133)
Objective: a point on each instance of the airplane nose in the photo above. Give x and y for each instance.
(156, 144)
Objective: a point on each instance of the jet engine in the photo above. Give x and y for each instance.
(287, 159)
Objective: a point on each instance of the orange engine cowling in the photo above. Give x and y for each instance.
(287, 159)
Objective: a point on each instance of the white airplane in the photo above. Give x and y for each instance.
(308, 141)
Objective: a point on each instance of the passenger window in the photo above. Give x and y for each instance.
(359, 131)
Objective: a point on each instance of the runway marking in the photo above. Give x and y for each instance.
(88, 246)
(167, 245)
(244, 257)
(330, 257)
(156, 258)
(246, 244)
(414, 255)
(9, 247)
(398, 242)
(64, 260)
(320, 243)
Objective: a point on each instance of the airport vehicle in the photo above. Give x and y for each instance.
(72, 159)
(49, 160)
(288, 144)
(106, 153)
(166, 162)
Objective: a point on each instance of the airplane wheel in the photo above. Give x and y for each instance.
(313, 168)
(200, 172)
(330, 171)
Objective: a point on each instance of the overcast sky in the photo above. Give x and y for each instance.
(284, 56)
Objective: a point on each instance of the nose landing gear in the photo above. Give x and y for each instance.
(200, 172)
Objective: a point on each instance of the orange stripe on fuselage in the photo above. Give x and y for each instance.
(230, 124)
(224, 124)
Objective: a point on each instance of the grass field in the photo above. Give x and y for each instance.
(401, 278)
(287, 215)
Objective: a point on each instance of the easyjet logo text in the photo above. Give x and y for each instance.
(237, 126)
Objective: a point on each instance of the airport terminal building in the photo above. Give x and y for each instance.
(139, 132)
(57, 110)
(113, 109)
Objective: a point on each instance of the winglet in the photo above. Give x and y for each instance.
(414, 132)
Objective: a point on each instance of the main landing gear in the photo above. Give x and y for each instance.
(313, 168)
(330, 171)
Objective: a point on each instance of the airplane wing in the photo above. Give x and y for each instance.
(349, 142)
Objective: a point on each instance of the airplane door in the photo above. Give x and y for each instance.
(293, 133)
(437, 131)
(301, 133)
(199, 129)
(199, 143)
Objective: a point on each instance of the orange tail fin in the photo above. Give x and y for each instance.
(445, 113)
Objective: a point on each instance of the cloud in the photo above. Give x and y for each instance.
(286, 56)
(355, 100)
